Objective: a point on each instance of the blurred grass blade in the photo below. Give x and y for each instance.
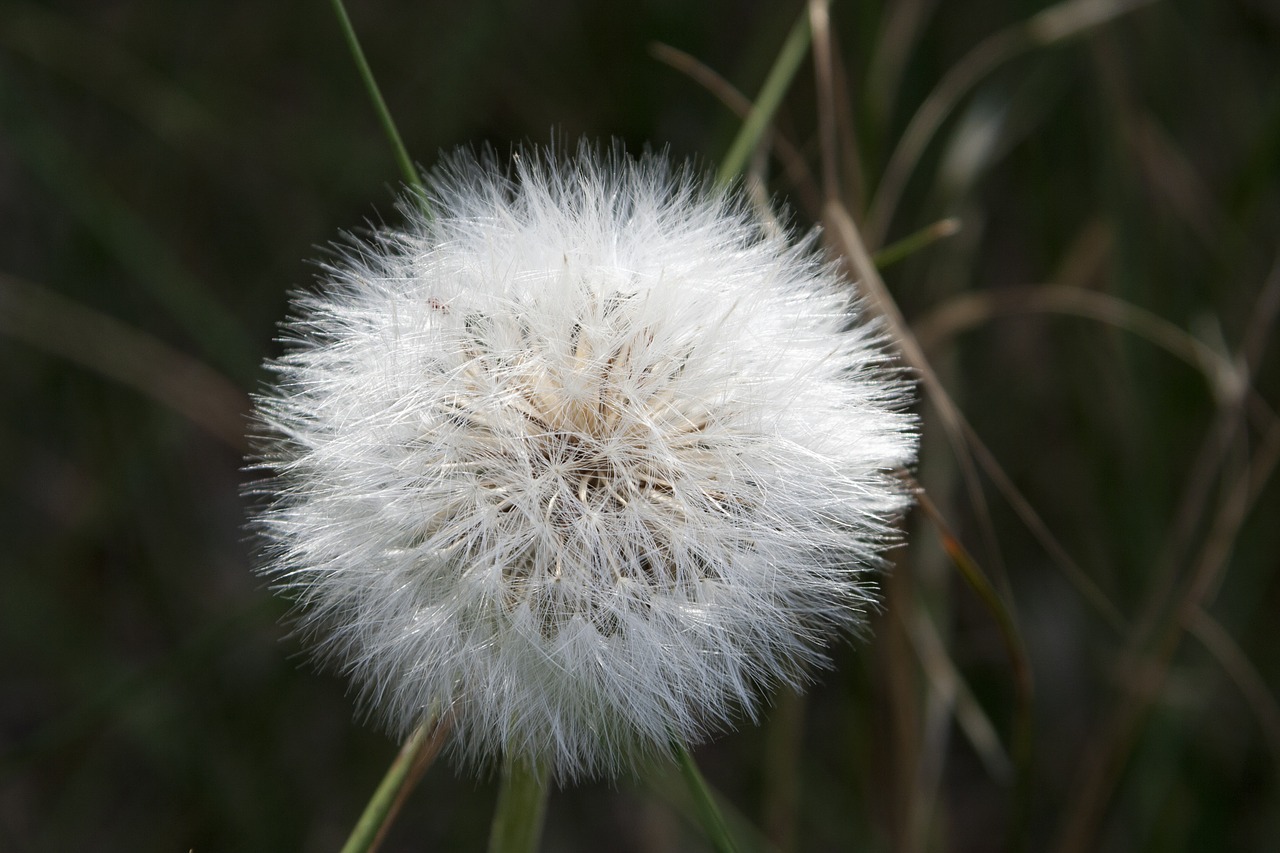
(668, 784)
(1144, 672)
(130, 240)
(771, 94)
(403, 160)
(959, 79)
(899, 30)
(797, 170)
(1020, 663)
(1058, 22)
(961, 433)
(1236, 664)
(708, 812)
(1064, 20)
(1230, 418)
(824, 78)
(946, 679)
(970, 310)
(912, 243)
(56, 41)
(59, 326)
(1157, 633)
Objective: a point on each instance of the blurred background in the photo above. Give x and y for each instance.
(1103, 319)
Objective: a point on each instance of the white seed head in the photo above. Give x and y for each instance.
(588, 458)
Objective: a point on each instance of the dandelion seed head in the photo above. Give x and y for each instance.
(588, 458)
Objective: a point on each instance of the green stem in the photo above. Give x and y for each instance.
(708, 811)
(771, 94)
(375, 94)
(416, 754)
(522, 803)
(912, 243)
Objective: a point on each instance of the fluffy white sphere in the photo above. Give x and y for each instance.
(588, 458)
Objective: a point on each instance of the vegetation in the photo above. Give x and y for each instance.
(1076, 647)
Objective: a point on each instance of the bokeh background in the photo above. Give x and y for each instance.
(1104, 320)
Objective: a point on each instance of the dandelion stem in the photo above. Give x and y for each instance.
(522, 803)
(708, 812)
(415, 756)
(375, 94)
(771, 94)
